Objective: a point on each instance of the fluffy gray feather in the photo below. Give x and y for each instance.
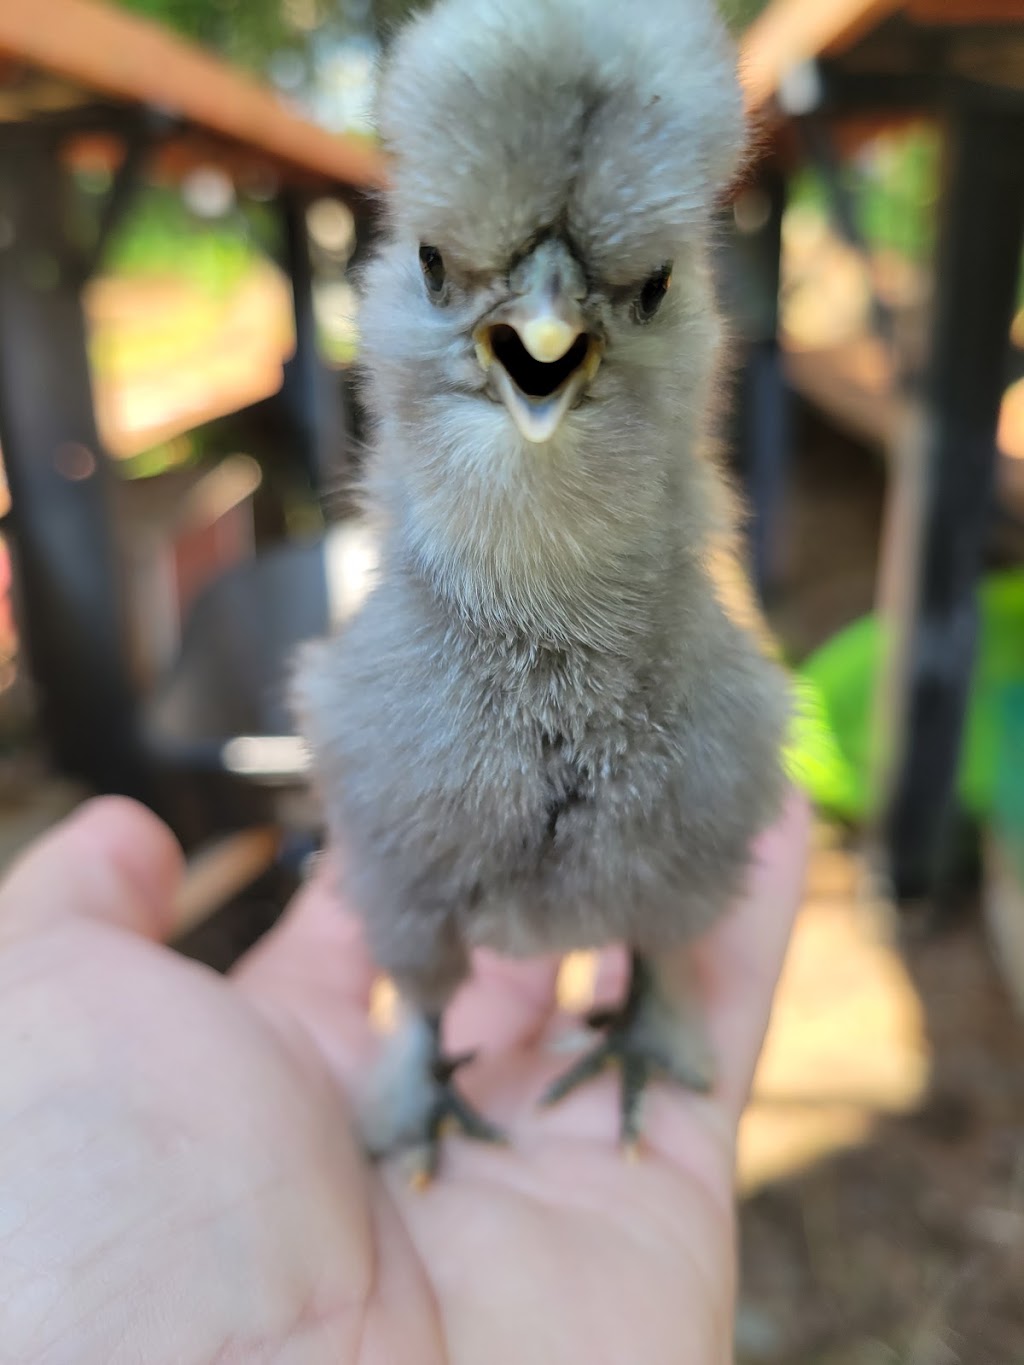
(543, 730)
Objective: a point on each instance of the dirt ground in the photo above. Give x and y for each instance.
(882, 1162)
(883, 1157)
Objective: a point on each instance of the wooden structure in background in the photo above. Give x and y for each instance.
(790, 32)
(80, 79)
(815, 71)
(86, 51)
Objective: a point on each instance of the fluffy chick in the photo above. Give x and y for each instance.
(543, 731)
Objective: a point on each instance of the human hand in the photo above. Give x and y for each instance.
(181, 1180)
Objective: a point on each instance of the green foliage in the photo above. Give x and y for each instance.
(251, 32)
(900, 191)
(894, 188)
(814, 759)
(246, 32)
(840, 679)
(832, 742)
(739, 13)
(1008, 765)
(160, 236)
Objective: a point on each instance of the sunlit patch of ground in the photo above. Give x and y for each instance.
(847, 1040)
(882, 1161)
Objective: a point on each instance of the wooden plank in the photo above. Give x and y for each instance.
(841, 383)
(128, 58)
(790, 32)
(220, 872)
(172, 159)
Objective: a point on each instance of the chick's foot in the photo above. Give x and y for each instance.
(415, 1101)
(648, 1037)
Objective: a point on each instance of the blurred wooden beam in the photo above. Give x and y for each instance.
(221, 871)
(790, 32)
(123, 57)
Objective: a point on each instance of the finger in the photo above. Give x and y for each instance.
(314, 968)
(316, 946)
(112, 861)
(504, 1004)
(740, 961)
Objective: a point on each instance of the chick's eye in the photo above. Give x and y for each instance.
(649, 300)
(432, 264)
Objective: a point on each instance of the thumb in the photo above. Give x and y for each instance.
(112, 861)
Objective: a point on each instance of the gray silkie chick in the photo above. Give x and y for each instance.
(542, 731)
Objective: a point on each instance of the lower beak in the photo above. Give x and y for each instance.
(540, 360)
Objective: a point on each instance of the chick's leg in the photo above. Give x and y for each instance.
(412, 1096)
(658, 1031)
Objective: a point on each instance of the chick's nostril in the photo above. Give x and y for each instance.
(534, 377)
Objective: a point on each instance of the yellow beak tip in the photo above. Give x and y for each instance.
(547, 339)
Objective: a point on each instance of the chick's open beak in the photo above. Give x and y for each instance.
(540, 359)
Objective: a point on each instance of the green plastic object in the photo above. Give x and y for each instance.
(1007, 817)
(814, 758)
(829, 752)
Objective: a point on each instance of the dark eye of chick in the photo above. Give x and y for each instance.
(649, 300)
(432, 264)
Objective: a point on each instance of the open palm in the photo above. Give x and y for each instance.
(181, 1183)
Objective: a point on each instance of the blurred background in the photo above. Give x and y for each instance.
(186, 188)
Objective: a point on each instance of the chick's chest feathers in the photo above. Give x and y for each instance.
(546, 798)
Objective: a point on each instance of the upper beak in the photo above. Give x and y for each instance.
(547, 334)
(540, 356)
